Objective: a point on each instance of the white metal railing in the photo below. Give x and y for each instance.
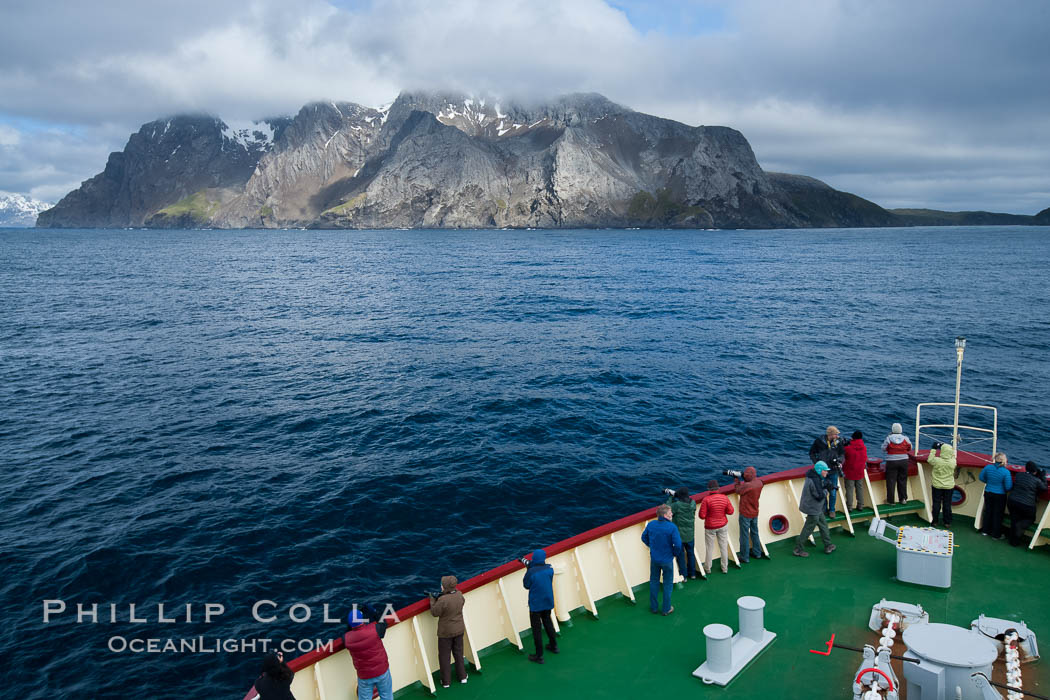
(994, 430)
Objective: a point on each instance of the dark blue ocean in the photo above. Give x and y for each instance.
(192, 417)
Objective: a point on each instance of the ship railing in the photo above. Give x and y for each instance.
(993, 433)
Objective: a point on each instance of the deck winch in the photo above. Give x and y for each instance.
(946, 656)
(941, 662)
(924, 554)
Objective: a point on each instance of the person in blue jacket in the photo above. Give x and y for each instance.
(997, 481)
(539, 579)
(665, 544)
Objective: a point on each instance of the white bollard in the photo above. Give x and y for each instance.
(719, 647)
(752, 617)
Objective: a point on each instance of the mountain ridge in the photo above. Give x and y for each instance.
(19, 211)
(451, 160)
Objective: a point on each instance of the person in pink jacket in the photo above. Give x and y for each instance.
(714, 511)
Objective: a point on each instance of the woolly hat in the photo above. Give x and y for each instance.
(357, 617)
(820, 467)
(896, 429)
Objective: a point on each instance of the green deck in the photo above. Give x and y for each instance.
(629, 653)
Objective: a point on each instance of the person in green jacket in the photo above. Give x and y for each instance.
(683, 514)
(942, 466)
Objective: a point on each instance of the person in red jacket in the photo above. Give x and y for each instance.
(853, 471)
(364, 641)
(714, 510)
(749, 490)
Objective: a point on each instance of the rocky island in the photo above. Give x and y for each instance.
(442, 160)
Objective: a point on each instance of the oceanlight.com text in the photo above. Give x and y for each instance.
(214, 645)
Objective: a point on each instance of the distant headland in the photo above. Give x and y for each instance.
(443, 160)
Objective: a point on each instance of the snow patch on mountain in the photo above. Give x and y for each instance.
(250, 135)
(18, 210)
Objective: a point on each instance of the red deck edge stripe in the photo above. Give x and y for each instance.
(491, 575)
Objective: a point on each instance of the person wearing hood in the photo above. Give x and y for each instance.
(1028, 486)
(364, 641)
(997, 482)
(539, 580)
(683, 515)
(664, 543)
(830, 449)
(853, 471)
(942, 476)
(448, 609)
(812, 506)
(275, 681)
(749, 491)
(896, 448)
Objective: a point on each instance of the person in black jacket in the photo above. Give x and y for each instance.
(812, 506)
(830, 449)
(1028, 486)
(275, 681)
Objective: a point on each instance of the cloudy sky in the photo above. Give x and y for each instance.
(940, 103)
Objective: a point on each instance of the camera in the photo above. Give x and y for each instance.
(434, 596)
(936, 446)
(525, 561)
(667, 492)
(735, 473)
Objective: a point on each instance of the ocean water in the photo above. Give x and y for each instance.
(195, 417)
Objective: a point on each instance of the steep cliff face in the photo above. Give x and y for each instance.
(324, 143)
(449, 160)
(165, 162)
(580, 161)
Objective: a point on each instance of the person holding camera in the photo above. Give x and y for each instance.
(683, 514)
(714, 511)
(447, 607)
(749, 491)
(896, 448)
(1028, 486)
(539, 580)
(814, 497)
(997, 481)
(664, 543)
(942, 477)
(830, 449)
(275, 681)
(364, 641)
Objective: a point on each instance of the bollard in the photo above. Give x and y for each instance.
(719, 647)
(752, 617)
(724, 661)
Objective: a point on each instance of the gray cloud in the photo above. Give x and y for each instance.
(938, 103)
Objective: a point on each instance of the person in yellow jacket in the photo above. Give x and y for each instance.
(942, 466)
